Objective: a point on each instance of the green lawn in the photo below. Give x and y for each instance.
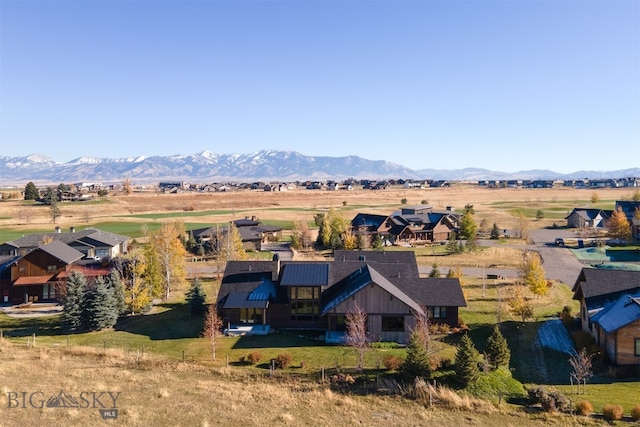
(625, 393)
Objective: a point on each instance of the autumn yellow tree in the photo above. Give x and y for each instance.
(137, 291)
(519, 305)
(532, 274)
(166, 248)
(618, 225)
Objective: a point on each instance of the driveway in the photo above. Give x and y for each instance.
(559, 263)
(33, 310)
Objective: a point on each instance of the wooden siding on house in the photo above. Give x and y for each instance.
(373, 299)
(377, 302)
(620, 345)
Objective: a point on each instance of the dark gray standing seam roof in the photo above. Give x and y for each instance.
(305, 274)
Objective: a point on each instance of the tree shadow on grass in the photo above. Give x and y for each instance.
(22, 327)
(172, 321)
(274, 341)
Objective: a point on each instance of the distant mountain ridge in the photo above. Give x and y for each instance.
(265, 165)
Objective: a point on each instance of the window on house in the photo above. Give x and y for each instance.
(439, 312)
(305, 302)
(22, 269)
(251, 315)
(392, 323)
(51, 268)
(637, 346)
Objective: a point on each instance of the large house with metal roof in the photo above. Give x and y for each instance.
(610, 311)
(258, 296)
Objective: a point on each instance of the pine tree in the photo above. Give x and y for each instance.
(31, 191)
(468, 227)
(115, 282)
(195, 298)
(100, 307)
(498, 349)
(377, 242)
(467, 362)
(434, 271)
(416, 364)
(495, 232)
(72, 318)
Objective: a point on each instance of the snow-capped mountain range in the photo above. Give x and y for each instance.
(266, 165)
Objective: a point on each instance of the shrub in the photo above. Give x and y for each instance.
(635, 412)
(391, 362)
(612, 412)
(254, 357)
(283, 360)
(551, 401)
(584, 407)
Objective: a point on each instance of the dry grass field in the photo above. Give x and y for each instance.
(494, 205)
(155, 392)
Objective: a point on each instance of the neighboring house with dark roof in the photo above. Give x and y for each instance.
(33, 276)
(608, 313)
(92, 242)
(410, 225)
(33, 267)
(588, 218)
(319, 294)
(252, 232)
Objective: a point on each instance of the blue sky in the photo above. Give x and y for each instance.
(505, 85)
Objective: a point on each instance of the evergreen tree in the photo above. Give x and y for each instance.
(115, 282)
(498, 349)
(434, 271)
(72, 318)
(195, 298)
(377, 242)
(452, 244)
(417, 364)
(468, 227)
(495, 232)
(31, 191)
(467, 362)
(100, 306)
